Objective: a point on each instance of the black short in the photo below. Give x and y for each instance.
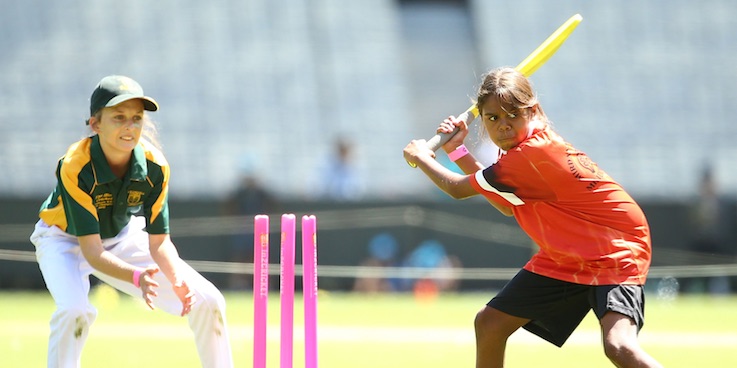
(555, 308)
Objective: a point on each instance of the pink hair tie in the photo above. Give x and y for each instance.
(458, 153)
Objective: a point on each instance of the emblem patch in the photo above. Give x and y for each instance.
(584, 169)
(135, 198)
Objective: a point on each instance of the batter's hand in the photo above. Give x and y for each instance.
(447, 126)
(185, 295)
(416, 151)
(149, 285)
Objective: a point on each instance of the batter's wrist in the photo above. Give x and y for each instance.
(457, 153)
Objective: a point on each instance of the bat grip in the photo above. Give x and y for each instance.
(440, 139)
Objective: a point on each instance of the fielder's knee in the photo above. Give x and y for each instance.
(216, 299)
(76, 317)
(211, 299)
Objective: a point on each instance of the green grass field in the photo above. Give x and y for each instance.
(359, 331)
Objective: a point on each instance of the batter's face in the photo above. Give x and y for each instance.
(506, 125)
(120, 126)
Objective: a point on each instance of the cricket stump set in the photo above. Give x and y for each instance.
(286, 287)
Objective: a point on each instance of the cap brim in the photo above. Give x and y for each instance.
(149, 104)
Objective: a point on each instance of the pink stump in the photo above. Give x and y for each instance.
(309, 288)
(260, 288)
(288, 230)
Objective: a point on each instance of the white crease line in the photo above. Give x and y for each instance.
(393, 335)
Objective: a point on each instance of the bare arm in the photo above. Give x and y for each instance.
(109, 264)
(470, 166)
(165, 255)
(456, 188)
(455, 185)
(104, 261)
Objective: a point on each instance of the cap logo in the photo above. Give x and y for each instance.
(124, 84)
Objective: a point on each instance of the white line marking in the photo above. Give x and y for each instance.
(380, 334)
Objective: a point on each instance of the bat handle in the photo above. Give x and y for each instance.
(440, 139)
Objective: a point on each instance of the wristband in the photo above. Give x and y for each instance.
(458, 153)
(137, 278)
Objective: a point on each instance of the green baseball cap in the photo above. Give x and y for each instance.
(115, 89)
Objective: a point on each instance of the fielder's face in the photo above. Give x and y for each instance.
(506, 125)
(120, 126)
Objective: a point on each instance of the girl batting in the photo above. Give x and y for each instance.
(594, 241)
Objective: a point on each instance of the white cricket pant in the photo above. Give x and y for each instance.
(66, 273)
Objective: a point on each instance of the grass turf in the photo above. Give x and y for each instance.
(364, 331)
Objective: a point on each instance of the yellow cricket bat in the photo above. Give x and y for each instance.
(528, 66)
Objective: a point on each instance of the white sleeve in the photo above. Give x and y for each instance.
(507, 196)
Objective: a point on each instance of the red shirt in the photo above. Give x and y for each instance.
(589, 230)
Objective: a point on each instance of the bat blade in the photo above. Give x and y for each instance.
(528, 66)
(542, 53)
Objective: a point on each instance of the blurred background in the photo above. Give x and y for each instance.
(304, 106)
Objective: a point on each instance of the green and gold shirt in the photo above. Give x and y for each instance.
(90, 199)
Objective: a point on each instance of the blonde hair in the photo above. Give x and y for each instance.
(151, 132)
